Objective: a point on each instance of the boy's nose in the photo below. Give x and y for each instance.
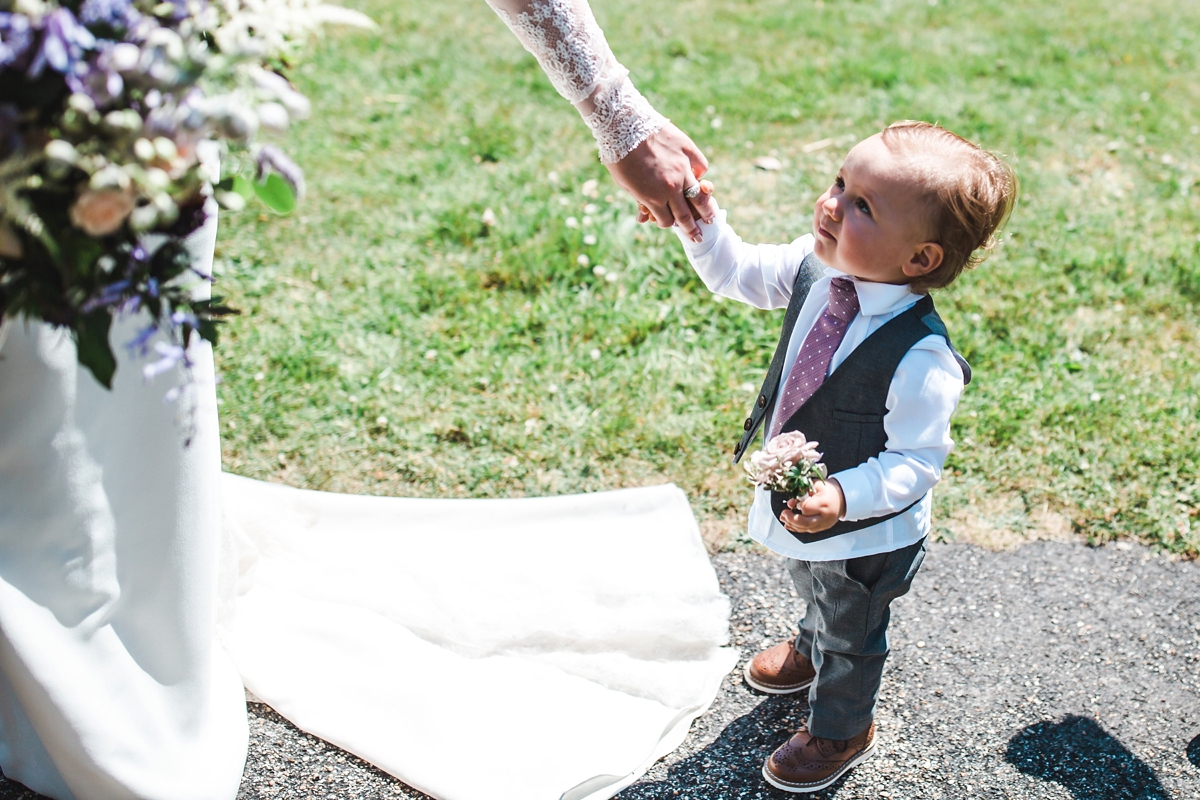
(832, 209)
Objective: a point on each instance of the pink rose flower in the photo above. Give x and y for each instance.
(99, 212)
(792, 448)
(773, 466)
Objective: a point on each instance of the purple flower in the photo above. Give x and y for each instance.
(169, 356)
(113, 13)
(272, 158)
(64, 43)
(15, 38)
(139, 344)
(103, 87)
(109, 295)
(181, 318)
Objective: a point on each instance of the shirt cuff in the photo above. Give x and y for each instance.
(710, 234)
(856, 488)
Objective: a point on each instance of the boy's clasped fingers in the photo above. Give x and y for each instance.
(815, 512)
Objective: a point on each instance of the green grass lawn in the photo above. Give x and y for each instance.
(394, 344)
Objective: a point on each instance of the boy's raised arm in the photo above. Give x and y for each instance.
(761, 275)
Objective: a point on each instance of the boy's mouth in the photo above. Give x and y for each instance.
(822, 232)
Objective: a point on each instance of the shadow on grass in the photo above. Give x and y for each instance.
(731, 767)
(1193, 751)
(1084, 759)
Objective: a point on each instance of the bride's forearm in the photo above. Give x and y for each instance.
(570, 47)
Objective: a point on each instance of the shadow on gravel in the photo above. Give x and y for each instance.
(1083, 758)
(1193, 751)
(731, 767)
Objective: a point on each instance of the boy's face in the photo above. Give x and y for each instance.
(870, 222)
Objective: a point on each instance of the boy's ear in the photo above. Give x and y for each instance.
(925, 260)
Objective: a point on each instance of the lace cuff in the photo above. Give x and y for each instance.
(570, 47)
(622, 120)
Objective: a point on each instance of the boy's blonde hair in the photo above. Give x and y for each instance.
(969, 192)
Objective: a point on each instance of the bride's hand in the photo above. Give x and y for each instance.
(706, 190)
(657, 172)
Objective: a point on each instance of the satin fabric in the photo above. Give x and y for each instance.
(482, 649)
(111, 686)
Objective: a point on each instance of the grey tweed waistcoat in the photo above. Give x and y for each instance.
(845, 414)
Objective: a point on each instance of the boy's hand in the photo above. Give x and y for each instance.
(819, 511)
(706, 190)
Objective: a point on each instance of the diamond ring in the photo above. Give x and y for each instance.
(692, 192)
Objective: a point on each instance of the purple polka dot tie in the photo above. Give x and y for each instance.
(812, 362)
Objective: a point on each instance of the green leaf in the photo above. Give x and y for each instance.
(238, 185)
(95, 353)
(276, 194)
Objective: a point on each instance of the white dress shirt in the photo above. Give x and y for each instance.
(922, 396)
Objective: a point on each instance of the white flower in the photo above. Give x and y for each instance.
(123, 57)
(62, 151)
(272, 116)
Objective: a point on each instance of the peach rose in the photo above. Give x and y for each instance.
(99, 212)
(10, 244)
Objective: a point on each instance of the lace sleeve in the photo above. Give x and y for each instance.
(565, 39)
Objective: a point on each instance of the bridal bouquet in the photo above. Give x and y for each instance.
(104, 105)
(789, 464)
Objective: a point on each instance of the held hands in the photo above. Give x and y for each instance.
(817, 512)
(705, 196)
(657, 172)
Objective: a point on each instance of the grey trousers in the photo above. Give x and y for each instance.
(844, 632)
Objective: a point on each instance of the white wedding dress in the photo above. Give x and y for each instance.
(554, 653)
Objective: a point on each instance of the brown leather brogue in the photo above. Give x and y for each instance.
(807, 763)
(780, 670)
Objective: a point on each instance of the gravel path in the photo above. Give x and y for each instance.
(1052, 671)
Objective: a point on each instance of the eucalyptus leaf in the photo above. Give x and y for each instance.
(242, 186)
(276, 194)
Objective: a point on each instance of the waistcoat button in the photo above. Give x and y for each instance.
(747, 424)
(762, 401)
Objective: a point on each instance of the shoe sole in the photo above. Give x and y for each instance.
(806, 788)
(762, 687)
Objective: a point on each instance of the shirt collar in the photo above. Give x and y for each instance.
(877, 298)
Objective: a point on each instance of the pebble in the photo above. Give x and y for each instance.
(1055, 671)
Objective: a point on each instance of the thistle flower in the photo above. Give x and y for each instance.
(64, 43)
(16, 35)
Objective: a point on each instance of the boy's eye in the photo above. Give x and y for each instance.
(839, 183)
(862, 206)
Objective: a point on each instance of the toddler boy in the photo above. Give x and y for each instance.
(864, 366)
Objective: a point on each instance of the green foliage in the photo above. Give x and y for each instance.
(275, 193)
(95, 352)
(396, 343)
